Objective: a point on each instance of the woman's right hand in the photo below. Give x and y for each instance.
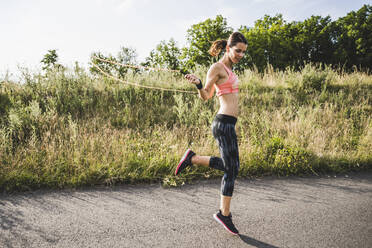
(192, 78)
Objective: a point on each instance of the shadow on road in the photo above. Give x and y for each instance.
(255, 242)
(14, 229)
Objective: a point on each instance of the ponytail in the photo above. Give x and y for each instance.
(217, 47)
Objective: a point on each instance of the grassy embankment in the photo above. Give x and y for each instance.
(68, 129)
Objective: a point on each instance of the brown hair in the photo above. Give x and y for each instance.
(219, 45)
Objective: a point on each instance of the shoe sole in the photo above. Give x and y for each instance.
(182, 160)
(220, 221)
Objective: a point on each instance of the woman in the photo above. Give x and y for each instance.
(221, 78)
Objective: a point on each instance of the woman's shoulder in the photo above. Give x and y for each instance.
(216, 67)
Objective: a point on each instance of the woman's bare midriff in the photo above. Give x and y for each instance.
(229, 104)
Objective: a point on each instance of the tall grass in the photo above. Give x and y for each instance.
(68, 128)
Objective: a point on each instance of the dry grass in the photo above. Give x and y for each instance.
(67, 129)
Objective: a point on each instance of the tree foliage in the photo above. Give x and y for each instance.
(50, 60)
(272, 41)
(353, 38)
(165, 55)
(200, 37)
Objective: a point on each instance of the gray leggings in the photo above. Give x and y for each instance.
(223, 128)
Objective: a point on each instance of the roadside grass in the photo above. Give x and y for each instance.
(71, 129)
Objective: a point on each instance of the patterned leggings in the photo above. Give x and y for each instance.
(223, 128)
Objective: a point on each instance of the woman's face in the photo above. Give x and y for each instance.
(236, 53)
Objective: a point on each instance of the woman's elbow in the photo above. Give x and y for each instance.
(205, 97)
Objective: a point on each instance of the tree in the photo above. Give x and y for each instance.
(200, 37)
(50, 60)
(354, 38)
(274, 41)
(107, 67)
(269, 42)
(316, 39)
(166, 55)
(126, 56)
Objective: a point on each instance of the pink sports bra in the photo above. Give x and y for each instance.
(230, 86)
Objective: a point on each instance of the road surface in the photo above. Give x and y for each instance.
(324, 211)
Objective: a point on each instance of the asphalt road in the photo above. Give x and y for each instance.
(269, 212)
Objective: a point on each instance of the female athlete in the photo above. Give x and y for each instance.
(221, 78)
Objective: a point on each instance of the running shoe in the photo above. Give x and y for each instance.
(226, 222)
(185, 161)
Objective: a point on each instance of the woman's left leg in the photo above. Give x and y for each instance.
(225, 135)
(229, 163)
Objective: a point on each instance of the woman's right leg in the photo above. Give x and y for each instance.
(200, 160)
(225, 205)
(216, 163)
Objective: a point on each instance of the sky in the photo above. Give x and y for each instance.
(76, 28)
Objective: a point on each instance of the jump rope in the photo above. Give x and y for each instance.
(147, 87)
(184, 72)
(140, 67)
